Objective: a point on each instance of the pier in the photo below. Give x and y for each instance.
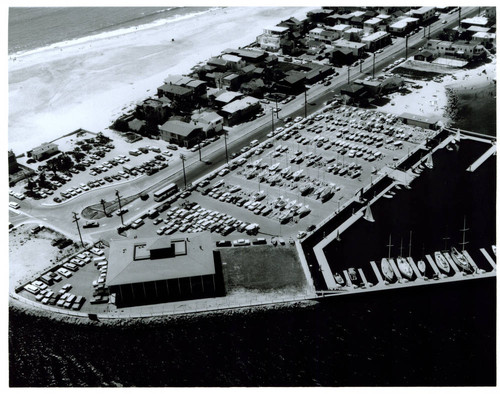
(377, 273)
(415, 268)
(433, 265)
(363, 277)
(474, 166)
(469, 259)
(488, 258)
(395, 269)
(451, 263)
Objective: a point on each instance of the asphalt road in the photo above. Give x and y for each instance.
(60, 216)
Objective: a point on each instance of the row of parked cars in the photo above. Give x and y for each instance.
(194, 218)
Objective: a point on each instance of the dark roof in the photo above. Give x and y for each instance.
(293, 77)
(175, 89)
(136, 124)
(178, 127)
(419, 118)
(425, 53)
(248, 69)
(192, 257)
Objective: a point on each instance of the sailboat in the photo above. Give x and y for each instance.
(460, 260)
(421, 266)
(387, 269)
(385, 266)
(403, 265)
(494, 248)
(441, 262)
(368, 214)
(337, 238)
(429, 163)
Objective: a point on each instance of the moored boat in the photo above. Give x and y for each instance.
(338, 278)
(421, 266)
(387, 270)
(352, 275)
(429, 163)
(404, 267)
(494, 248)
(460, 260)
(441, 262)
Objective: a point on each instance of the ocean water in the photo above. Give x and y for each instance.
(32, 28)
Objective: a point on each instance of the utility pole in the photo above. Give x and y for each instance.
(225, 144)
(360, 66)
(373, 66)
(272, 121)
(348, 75)
(75, 220)
(120, 205)
(183, 159)
(305, 101)
(459, 16)
(199, 147)
(103, 203)
(406, 49)
(424, 32)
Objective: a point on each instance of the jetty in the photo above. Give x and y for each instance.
(485, 156)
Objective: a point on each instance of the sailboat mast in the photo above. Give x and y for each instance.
(409, 247)
(401, 248)
(463, 243)
(389, 246)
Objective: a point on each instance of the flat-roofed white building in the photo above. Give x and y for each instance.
(377, 40)
(484, 38)
(272, 38)
(424, 13)
(403, 25)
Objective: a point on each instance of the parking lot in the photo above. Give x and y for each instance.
(292, 181)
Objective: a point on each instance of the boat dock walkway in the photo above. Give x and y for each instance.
(451, 263)
(469, 259)
(488, 258)
(347, 278)
(399, 176)
(363, 277)
(474, 166)
(375, 269)
(433, 264)
(415, 268)
(395, 269)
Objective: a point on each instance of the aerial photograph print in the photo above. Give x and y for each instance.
(277, 195)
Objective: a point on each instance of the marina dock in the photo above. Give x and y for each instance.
(488, 258)
(396, 271)
(473, 167)
(415, 268)
(363, 277)
(377, 273)
(451, 263)
(469, 259)
(433, 265)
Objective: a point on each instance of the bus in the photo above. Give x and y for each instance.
(165, 192)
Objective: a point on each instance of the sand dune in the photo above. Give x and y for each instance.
(88, 85)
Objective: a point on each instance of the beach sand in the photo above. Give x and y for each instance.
(432, 98)
(58, 90)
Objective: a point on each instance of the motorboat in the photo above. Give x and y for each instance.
(387, 270)
(404, 267)
(352, 275)
(339, 279)
(441, 262)
(494, 248)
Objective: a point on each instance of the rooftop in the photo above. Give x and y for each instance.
(476, 20)
(240, 104)
(423, 10)
(227, 97)
(419, 118)
(373, 21)
(348, 44)
(178, 127)
(375, 36)
(231, 58)
(341, 27)
(130, 260)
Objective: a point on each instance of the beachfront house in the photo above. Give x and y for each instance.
(474, 21)
(272, 37)
(164, 269)
(371, 25)
(43, 151)
(13, 165)
(181, 133)
(484, 38)
(240, 110)
(426, 122)
(224, 97)
(154, 111)
(459, 49)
